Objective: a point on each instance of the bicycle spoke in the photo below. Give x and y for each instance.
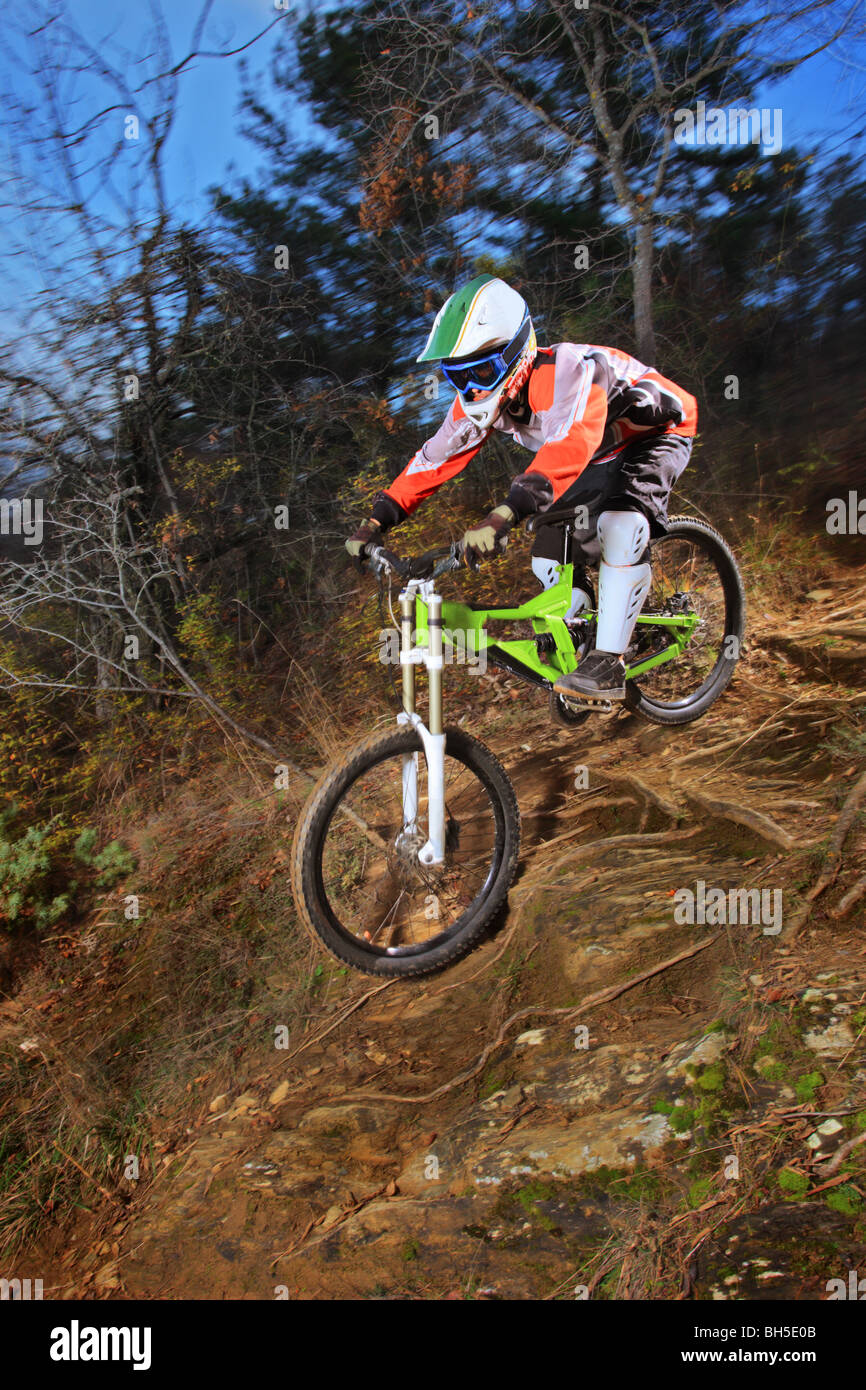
(386, 897)
(685, 580)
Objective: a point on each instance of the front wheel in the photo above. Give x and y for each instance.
(356, 877)
(694, 573)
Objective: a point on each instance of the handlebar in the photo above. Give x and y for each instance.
(430, 565)
(427, 566)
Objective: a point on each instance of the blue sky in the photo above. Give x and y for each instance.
(825, 101)
(822, 103)
(205, 146)
(205, 141)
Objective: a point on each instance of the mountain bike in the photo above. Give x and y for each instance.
(407, 846)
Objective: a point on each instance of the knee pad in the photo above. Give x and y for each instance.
(547, 574)
(580, 600)
(545, 571)
(623, 537)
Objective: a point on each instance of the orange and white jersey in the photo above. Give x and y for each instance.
(582, 405)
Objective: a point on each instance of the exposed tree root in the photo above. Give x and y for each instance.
(826, 1170)
(638, 841)
(837, 840)
(597, 804)
(844, 906)
(603, 996)
(651, 794)
(744, 815)
(725, 743)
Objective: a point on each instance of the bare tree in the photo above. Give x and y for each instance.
(599, 84)
(112, 285)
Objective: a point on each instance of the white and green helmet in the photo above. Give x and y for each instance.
(484, 341)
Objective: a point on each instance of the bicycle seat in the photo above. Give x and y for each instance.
(554, 514)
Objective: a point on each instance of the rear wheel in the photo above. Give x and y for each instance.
(693, 571)
(356, 877)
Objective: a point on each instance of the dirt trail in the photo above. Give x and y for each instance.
(464, 1137)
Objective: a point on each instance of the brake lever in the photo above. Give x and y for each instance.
(449, 562)
(382, 560)
(467, 556)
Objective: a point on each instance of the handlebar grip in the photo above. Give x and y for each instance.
(378, 555)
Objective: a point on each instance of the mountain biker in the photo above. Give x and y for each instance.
(607, 432)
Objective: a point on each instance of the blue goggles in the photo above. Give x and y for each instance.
(489, 371)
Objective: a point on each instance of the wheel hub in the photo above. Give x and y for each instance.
(678, 603)
(406, 848)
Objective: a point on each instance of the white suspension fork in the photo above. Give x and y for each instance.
(432, 738)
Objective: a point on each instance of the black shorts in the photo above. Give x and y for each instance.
(640, 479)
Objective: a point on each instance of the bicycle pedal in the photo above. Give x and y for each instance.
(588, 702)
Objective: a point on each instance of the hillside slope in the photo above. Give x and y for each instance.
(462, 1136)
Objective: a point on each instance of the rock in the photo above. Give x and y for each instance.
(701, 1054)
(244, 1104)
(510, 1097)
(218, 1103)
(616, 1141)
(785, 1251)
(834, 1041)
(279, 1093)
(531, 1038)
(349, 1118)
(829, 1127)
(592, 1078)
(332, 1216)
(494, 1101)
(378, 1247)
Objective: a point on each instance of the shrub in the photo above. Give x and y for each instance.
(37, 887)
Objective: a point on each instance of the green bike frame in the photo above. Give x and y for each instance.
(427, 622)
(546, 613)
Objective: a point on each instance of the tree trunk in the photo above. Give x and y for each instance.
(642, 293)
